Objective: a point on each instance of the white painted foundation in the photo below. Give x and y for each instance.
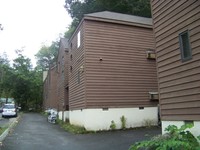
(99, 119)
(65, 113)
(195, 130)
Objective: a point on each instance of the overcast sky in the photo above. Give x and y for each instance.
(30, 23)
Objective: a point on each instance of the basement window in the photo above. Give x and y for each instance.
(188, 122)
(186, 52)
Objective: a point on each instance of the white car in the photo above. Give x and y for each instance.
(9, 110)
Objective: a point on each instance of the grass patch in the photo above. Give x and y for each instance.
(73, 128)
(44, 113)
(2, 129)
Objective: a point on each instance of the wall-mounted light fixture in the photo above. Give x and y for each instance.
(100, 59)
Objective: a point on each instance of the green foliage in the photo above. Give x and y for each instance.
(148, 123)
(123, 122)
(70, 31)
(175, 139)
(6, 77)
(113, 125)
(21, 82)
(2, 129)
(72, 128)
(77, 9)
(47, 55)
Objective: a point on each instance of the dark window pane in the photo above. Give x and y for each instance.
(185, 46)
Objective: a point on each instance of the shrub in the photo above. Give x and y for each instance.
(72, 128)
(113, 125)
(148, 123)
(175, 139)
(123, 122)
(2, 129)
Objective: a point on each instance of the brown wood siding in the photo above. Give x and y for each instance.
(45, 94)
(50, 89)
(76, 57)
(66, 80)
(62, 71)
(53, 88)
(179, 82)
(125, 76)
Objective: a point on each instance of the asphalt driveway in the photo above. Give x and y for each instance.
(33, 132)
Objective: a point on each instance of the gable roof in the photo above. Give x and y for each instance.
(120, 18)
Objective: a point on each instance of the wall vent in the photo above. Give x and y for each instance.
(153, 96)
(151, 54)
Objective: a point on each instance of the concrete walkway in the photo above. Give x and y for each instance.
(33, 132)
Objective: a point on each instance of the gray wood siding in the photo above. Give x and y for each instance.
(76, 90)
(179, 82)
(124, 76)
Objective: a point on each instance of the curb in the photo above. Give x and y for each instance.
(7, 131)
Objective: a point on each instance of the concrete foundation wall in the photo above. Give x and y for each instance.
(99, 119)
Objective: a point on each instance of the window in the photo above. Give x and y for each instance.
(78, 39)
(71, 46)
(71, 57)
(71, 69)
(186, 52)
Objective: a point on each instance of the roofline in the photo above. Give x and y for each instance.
(60, 42)
(118, 21)
(110, 21)
(76, 29)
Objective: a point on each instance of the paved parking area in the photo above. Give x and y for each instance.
(33, 132)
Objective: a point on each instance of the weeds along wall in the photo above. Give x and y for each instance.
(99, 119)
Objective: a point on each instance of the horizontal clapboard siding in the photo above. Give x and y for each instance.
(51, 89)
(63, 78)
(124, 76)
(179, 82)
(76, 60)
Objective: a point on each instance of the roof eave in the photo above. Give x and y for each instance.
(118, 21)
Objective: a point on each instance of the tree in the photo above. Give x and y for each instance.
(70, 31)
(47, 55)
(22, 83)
(26, 82)
(6, 77)
(77, 9)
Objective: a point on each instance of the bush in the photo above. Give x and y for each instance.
(113, 125)
(123, 122)
(2, 129)
(175, 139)
(72, 128)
